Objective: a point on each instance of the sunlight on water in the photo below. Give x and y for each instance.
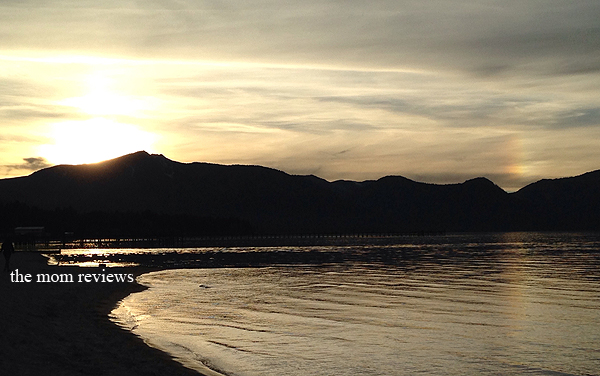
(510, 306)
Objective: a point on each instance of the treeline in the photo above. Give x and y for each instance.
(97, 224)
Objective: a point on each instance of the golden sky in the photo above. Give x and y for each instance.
(437, 91)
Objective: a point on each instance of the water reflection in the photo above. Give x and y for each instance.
(507, 304)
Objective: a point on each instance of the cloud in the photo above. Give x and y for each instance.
(34, 163)
(483, 36)
(28, 99)
(580, 117)
(30, 164)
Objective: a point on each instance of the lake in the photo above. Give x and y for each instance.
(486, 304)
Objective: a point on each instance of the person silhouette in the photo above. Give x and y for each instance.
(7, 249)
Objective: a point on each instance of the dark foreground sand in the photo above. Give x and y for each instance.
(64, 329)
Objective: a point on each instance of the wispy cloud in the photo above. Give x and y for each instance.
(442, 34)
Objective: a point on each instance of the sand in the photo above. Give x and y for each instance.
(64, 328)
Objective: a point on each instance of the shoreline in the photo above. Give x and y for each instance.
(64, 328)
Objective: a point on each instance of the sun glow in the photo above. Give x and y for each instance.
(105, 96)
(102, 99)
(94, 140)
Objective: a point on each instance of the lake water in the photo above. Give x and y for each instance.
(497, 304)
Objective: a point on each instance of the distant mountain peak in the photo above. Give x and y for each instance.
(137, 153)
(481, 182)
(137, 156)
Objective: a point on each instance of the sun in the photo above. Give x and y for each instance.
(94, 140)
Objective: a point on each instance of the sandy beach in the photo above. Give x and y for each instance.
(64, 328)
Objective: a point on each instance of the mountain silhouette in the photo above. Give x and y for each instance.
(571, 203)
(202, 198)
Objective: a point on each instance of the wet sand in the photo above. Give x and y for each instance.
(64, 328)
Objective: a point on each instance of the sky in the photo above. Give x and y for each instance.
(438, 91)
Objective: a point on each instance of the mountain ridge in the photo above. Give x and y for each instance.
(267, 200)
